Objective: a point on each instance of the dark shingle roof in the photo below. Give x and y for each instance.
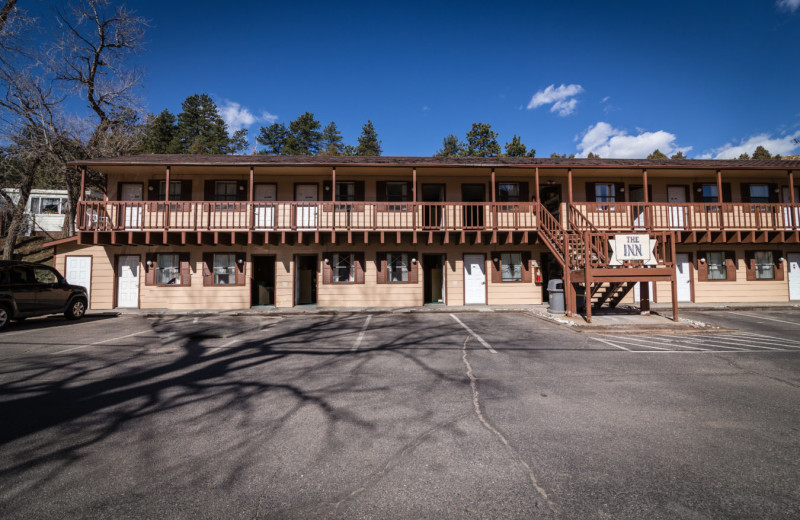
(446, 162)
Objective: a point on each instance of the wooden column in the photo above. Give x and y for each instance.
(166, 188)
(674, 280)
(333, 184)
(493, 198)
(719, 187)
(644, 298)
(537, 184)
(414, 185)
(644, 184)
(82, 194)
(791, 188)
(587, 291)
(166, 206)
(569, 185)
(252, 209)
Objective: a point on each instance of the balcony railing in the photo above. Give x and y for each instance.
(697, 216)
(305, 216)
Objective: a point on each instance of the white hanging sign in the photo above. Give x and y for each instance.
(632, 247)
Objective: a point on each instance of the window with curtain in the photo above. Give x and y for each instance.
(168, 269)
(397, 267)
(717, 268)
(511, 267)
(343, 267)
(397, 192)
(345, 192)
(764, 265)
(224, 269)
(605, 192)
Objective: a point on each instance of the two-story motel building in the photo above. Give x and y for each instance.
(232, 232)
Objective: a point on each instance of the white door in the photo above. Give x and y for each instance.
(474, 279)
(306, 213)
(676, 195)
(791, 221)
(793, 259)
(684, 277)
(128, 281)
(265, 213)
(78, 271)
(133, 212)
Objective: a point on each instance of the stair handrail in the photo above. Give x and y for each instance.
(549, 230)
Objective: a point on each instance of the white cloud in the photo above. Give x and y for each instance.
(426, 108)
(609, 142)
(788, 5)
(237, 117)
(562, 98)
(605, 99)
(781, 145)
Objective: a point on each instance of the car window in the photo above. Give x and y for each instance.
(44, 275)
(21, 275)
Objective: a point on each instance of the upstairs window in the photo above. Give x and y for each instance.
(709, 193)
(397, 192)
(759, 193)
(174, 190)
(605, 192)
(48, 205)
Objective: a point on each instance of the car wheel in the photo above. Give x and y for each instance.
(76, 310)
(5, 317)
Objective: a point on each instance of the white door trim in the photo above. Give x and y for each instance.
(469, 260)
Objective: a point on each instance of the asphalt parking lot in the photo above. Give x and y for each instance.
(436, 415)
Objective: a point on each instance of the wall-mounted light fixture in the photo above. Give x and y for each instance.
(702, 260)
(622, 189)
(699, 189)
(150, 188)
(327, 261)
(241, 187)
(414, 261)
(550, 182)
(495, 259)
(149, 263)
(240, 261)
(781, 259)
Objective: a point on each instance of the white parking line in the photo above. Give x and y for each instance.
(647, 345)
(480, 339)
(361, 334)
(612, 344)
(102, 341)
(764, 318)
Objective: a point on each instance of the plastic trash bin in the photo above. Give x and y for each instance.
(555, 290)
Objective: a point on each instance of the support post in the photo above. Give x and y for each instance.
(82, 194)
(333, 184)
(644, 298)
(414, 185)
(166, 187)
(569, 185)
(793, 211)
(166, 199)
(674, 279)
(719, 186)
(252, 209)
(333, 205)
(644, 184)
(536, 180)
(568, 299)
(493, 195)
(587, 291)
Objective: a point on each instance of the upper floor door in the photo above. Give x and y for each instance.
(133, 192)
(306, 214)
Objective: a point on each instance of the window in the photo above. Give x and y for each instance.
(764, 265)
(511, 267)
(397, 192)
(397, 267)
(345, 192)
(508, 192)
(174, 190)
(343, 268)
(168, 269)
(44, 275)
(48, 205)
(759, 193)
(223, 190)
(717, 267)
(605, 192)
(224, 268)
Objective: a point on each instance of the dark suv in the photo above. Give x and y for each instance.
(28, 289)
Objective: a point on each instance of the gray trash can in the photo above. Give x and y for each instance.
(555, 290)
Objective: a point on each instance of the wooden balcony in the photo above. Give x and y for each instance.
(125, 222)
(691, 217)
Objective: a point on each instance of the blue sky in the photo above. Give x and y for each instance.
(711, 78)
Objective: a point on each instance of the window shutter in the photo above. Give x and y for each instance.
(380, 263)
(409, 190)
(186, 269)
(327, 191)
(186, 189)
(150, 271)
(152, 189)
(702, 270)
(750, 265)
(360, 267)
(208, 263)
(776, 255)
(745, 191)
(380, 191)
(358, 188)
(730, 264)
(697, 192)
(413, 268)
(241, 191)
(241, 268)
(726, 192)
(524, 194)
(527, 274)
(209, 191)
(773, 193)
(590, 193)
(327, 268)
(496, 267)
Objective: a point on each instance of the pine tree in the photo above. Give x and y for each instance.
(200, 129)
(159, 133)
(761, 154)
(744, 157)
(678, 155)
(451, 147)
(592, 156)
(306, 137)
(332, 143)
(561, 156)
(657, 154)
(368, 143)
(274, 138)
(482, 141)
(516, 148)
